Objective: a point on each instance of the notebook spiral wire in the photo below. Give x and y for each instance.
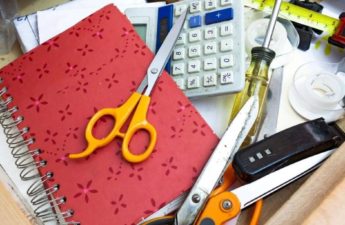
(41, 194)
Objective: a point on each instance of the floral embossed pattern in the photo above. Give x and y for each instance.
(97, 64)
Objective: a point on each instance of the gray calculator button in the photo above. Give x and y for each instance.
(210, 4)
(210, 80)
(193, 82)
(210, 48)
(226, 77)
(178, 68)
(210, 64)
(226, 61)
(179, 53)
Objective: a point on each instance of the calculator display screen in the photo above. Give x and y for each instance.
(141, 30)
(164, 30)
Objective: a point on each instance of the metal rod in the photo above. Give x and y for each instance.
(272, 23)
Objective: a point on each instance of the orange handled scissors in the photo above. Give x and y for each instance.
(224, 205)
(138, 104)
(215, 167)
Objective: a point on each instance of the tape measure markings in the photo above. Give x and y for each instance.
(297, 14)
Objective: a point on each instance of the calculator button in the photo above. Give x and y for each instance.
(210, 48)
(205, 57)
(193, 82)
(219, 16)
(210, 33)
(180, 83)
(181, 39)
(179, 9)
(226, 61)
(194, 51)
(178, 68)
(226, 77)
(226, 29)
(195, 6)
(210, 80)
(179, 53)
(226, 45)
(195, 21)
(210, 4)
(210, 64)
(225, 2)
(193, 66)
(194, 36)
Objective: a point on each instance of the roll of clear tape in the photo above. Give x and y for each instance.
(284, 40)
(256, 31)
(325, 90)
(319, 92)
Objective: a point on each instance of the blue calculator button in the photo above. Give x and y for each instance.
(195, 21)
(219, 16)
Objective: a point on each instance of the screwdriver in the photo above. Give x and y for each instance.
(257, 84)
(257, 76)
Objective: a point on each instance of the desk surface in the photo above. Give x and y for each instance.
(11, 213)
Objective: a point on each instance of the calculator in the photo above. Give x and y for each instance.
(208, 58)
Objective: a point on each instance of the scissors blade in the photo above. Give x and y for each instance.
(218, 162)
(269, 123)
(162, 57)
(250, 193)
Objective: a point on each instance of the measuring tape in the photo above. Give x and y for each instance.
(297, 14)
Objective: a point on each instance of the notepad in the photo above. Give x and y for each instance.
(58, 86)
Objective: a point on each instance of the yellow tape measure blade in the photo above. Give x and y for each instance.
(297, 14)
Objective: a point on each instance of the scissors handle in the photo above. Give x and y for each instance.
(120, 116)
(139, 122)
(214, 211)
(229, 178)
(217, 211)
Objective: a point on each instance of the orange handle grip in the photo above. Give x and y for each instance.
(216, 211)
(139, 122)
(120, 116)
(229, 178)
(257, 212)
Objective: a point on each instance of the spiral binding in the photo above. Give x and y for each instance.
(47, 206)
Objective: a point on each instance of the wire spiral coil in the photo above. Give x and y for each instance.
(47, 206)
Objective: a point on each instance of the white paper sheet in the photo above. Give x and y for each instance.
(26, 26)
(27, 32)
(53, 22)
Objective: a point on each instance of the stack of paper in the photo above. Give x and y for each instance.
(34, 29)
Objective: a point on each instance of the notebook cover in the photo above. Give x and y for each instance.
(96, 64)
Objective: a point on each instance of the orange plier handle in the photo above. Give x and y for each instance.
(216, 211)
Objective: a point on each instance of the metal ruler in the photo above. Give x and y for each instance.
(297, 14)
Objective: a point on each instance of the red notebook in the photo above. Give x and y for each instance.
(59, 85)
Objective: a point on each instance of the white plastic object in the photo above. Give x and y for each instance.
(7, 36)
(8, 9)
(256, 31)
(284, 41)
(318, 90)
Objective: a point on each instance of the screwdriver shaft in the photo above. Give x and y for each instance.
(272, 23)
